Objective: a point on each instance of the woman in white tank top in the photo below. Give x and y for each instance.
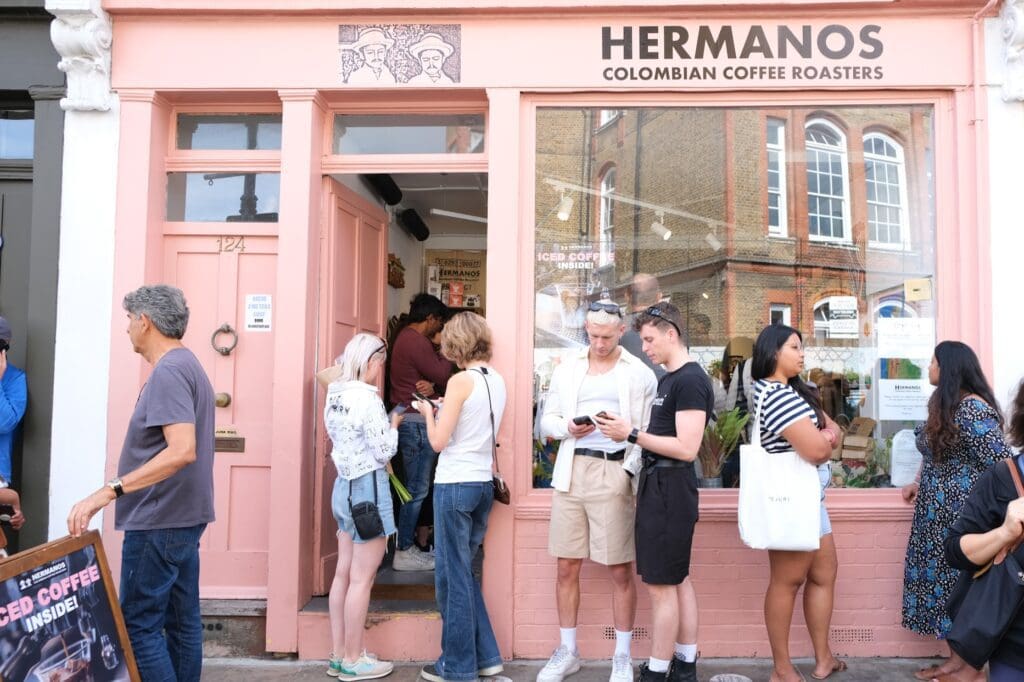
(461, 431)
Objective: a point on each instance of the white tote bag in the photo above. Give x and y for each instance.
(780, 497)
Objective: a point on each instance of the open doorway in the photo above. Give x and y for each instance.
(435, 241)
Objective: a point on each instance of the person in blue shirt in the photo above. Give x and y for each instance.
(13, 398)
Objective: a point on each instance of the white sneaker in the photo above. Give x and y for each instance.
(366, 668)
(622, 668)
(563, 662)
(412, 559)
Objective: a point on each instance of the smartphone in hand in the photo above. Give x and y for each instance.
(419, 396)
(6, 512)
(583, 420)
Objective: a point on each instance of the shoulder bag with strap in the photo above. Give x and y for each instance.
(501, 492)
(993, 600)
(365, 515)
(780, 496)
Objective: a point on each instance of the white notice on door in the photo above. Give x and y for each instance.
(258, 310)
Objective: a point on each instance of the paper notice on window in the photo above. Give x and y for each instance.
(906, 337)
(258, 312)
(843, 317)
(906, 459)
(903, 399)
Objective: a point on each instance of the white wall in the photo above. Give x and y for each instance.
(1006, 152)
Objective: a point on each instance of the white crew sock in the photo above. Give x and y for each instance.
(568, 638)
(622, 642)
(686, 652)
(657, 665)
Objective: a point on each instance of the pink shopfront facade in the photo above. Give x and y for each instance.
(818, 163)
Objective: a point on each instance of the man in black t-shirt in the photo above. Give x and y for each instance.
(666, 508)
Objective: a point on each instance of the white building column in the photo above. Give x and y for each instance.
(81, 32)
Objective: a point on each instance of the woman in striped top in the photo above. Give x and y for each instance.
(792, 419)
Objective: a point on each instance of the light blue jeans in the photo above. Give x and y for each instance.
(460, 521)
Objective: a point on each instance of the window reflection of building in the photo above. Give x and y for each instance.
(778, 216)
(606, 218)
(885, 177)
(828, 187)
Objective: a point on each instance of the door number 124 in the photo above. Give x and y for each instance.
(228, 244)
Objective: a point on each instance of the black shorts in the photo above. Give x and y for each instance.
(666, 513)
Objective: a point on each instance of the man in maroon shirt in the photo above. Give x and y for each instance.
(416, 365)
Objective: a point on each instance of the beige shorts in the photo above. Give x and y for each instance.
(595, 518)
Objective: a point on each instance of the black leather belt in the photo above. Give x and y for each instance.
(616, 456)
(664, 463)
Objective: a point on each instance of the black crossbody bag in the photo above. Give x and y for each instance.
(501, 492)
(366, 515)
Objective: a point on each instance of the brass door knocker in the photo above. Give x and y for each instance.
(224, 329)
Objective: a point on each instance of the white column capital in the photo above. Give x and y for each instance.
(81, 33)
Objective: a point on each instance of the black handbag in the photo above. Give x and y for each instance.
(991, 602)
(501, 492)
(366, 516)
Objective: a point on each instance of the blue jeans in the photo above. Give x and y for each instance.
(460, 521)
(418, 460)
(160, 602)
(1000, 672)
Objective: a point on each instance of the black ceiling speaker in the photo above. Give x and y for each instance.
(413, 223)
(385, 187)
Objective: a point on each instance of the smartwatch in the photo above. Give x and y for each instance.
(115, 485)
(633, 435)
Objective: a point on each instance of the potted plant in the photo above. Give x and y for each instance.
(720, 440)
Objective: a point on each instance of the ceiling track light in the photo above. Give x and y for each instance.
(658, 226)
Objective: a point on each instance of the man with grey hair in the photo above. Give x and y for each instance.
(164, 491)
(593, 504)
(644, 291)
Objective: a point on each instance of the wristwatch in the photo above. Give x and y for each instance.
(633, 435)
(115, 485)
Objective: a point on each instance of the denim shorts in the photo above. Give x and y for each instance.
(825, 477)
(362, 491)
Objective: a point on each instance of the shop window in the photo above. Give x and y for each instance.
(606, 116)
(828, 186)
(17, 134)
(885, 177)
(606, 219)
(679, 195)
(408, 133)
(777, 214)
(229, 131)
(780, 313)
(223, 197)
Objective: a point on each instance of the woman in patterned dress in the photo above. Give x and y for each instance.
(961, 439)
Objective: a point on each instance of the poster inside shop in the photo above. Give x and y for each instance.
(903, 390)
(905, 337)
(567, 280)
(457, 277)
(59, 617)
(843, 317)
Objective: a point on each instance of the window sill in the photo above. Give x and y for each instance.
(833, 244)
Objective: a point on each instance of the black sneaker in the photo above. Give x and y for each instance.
(429, 672)
(681, 671)
(648, 675)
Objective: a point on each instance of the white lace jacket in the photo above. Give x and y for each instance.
(360, 432)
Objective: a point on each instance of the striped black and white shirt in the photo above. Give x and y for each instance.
(782, 408)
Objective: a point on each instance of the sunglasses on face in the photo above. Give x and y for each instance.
(658, 313)
(605, 306)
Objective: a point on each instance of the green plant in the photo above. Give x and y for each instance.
(720, 440)
(715, 369)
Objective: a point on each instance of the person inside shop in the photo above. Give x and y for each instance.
(592, 506)
(739, 395)
(13, 400)
(464, 430)
(666, 505)
(992, 518)
(792, 420)
(644, 292)
(416, 366)
(164, 491)
(960, 440)
(363, 441)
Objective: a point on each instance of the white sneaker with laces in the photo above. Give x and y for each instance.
(622, 668)
(412, 559)
(563, 662)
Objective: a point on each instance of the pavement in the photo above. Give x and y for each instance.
(756, 670)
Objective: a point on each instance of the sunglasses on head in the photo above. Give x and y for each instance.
(654, 311)
(605, 306)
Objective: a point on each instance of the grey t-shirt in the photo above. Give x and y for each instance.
(178, 392)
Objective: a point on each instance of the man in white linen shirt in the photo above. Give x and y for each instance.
(593, 505)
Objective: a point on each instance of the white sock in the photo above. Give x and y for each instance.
(686, 652)
(657, 665)
(622, 642)
(568, 638)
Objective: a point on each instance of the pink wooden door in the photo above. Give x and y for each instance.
(219, 275)
(353, 275)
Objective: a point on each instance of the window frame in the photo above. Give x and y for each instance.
(842, 150)
(782, 229)
(787, 313)
(606, 209)
(901, 174)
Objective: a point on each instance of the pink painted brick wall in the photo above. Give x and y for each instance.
(730, 581)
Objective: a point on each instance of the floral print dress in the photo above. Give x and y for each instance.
(927, 579)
